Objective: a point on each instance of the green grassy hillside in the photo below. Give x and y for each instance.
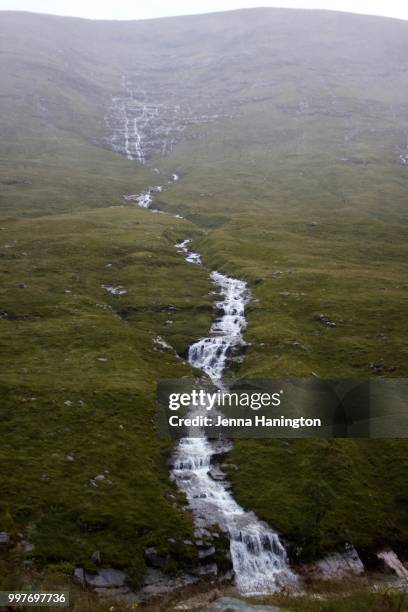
(289, 132)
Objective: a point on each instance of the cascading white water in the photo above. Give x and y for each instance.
(146, 198)
(191, 257)
(258, 557)
(210, 354)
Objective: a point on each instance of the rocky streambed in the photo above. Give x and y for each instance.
(259, 559)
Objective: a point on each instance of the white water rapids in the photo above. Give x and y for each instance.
(259, 559)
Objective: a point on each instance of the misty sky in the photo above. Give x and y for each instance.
(144, 9)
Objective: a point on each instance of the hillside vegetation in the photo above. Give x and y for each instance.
(289, 132)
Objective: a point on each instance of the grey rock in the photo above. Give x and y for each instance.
(216, 475)
(153, 558)
(232, 604)
(27, 546)
(123, 595)
(206, 552)
(207, 570)
(153, 576)
(337, 566)
(79, 575)
(4, 539)
(106, 578)
(392, 564)
(325, 320)
(298, 345)
(96, 557)
(157, 583)
(220, 447)
(227, 576)
(99, 478)
(201, 532)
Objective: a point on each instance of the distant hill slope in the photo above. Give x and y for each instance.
(61, 72)
(322, 93)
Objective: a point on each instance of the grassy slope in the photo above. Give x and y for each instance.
(78, 378)
(259, 192)
(352, 268)
(59, 399)
(254, 183)
(52, 176)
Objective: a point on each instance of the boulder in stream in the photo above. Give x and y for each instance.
(217, 475)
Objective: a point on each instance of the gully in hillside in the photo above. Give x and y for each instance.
(258, 557)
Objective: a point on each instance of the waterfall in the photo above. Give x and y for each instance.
(258, 557)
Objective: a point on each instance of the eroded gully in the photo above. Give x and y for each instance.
(258, 557)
